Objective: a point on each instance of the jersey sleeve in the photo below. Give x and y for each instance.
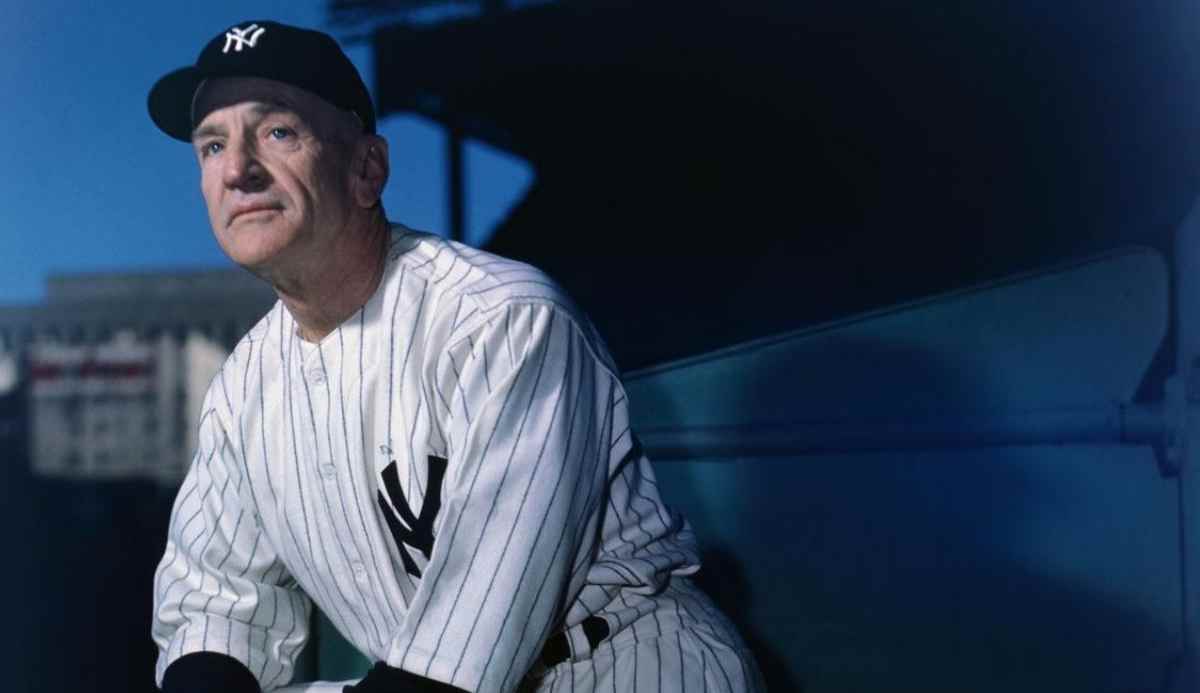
(523, 399)
(220, 587)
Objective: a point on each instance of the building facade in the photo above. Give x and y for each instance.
(109, 372)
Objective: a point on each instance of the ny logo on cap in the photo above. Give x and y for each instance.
(238, 37)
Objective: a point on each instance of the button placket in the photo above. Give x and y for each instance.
(321, 391)
(314, 372)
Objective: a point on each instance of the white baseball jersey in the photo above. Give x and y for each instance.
(451, 478)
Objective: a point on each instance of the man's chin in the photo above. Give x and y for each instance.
(257, 258)
(249, 242)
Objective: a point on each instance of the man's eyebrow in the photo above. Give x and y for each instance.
(210, 129)
(261, 109)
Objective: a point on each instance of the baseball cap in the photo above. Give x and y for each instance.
(310, 60)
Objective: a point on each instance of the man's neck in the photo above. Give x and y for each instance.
(341, 284)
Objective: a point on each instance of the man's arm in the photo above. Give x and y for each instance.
(524, 405)
(224, 617)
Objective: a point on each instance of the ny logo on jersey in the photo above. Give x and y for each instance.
(240, 38)
(418, 533)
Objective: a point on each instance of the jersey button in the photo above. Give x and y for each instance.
(328, 470)
(360, 571)
(316, 376)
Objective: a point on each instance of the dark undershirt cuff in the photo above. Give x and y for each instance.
(207, 672)
(384, 679)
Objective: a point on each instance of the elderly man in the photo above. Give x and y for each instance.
(427, 441)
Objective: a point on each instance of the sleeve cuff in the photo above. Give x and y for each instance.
(208, 672)
(384, 679)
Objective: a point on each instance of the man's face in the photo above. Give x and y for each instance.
(274, 177)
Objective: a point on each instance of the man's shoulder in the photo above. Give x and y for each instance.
(467, 289)
(225, 390)
(477, 279)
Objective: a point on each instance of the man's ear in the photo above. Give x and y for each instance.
(370, 170)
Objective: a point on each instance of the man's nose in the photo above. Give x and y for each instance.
(243, 170)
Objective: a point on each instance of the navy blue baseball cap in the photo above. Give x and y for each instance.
(310, 60)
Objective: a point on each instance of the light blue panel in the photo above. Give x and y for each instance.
(1076, 335)
(1032, 568)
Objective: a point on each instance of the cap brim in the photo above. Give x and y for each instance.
(170, 102)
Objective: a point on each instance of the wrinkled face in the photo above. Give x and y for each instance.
(274, 171)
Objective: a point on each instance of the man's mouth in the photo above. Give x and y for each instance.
(250, 210)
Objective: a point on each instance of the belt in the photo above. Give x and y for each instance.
(558, 647)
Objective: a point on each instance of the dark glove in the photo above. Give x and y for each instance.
(201, 672)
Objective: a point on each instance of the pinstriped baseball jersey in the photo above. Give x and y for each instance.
(450, 476)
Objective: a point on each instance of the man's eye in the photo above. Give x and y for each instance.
(280, 133)
(211, 148)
